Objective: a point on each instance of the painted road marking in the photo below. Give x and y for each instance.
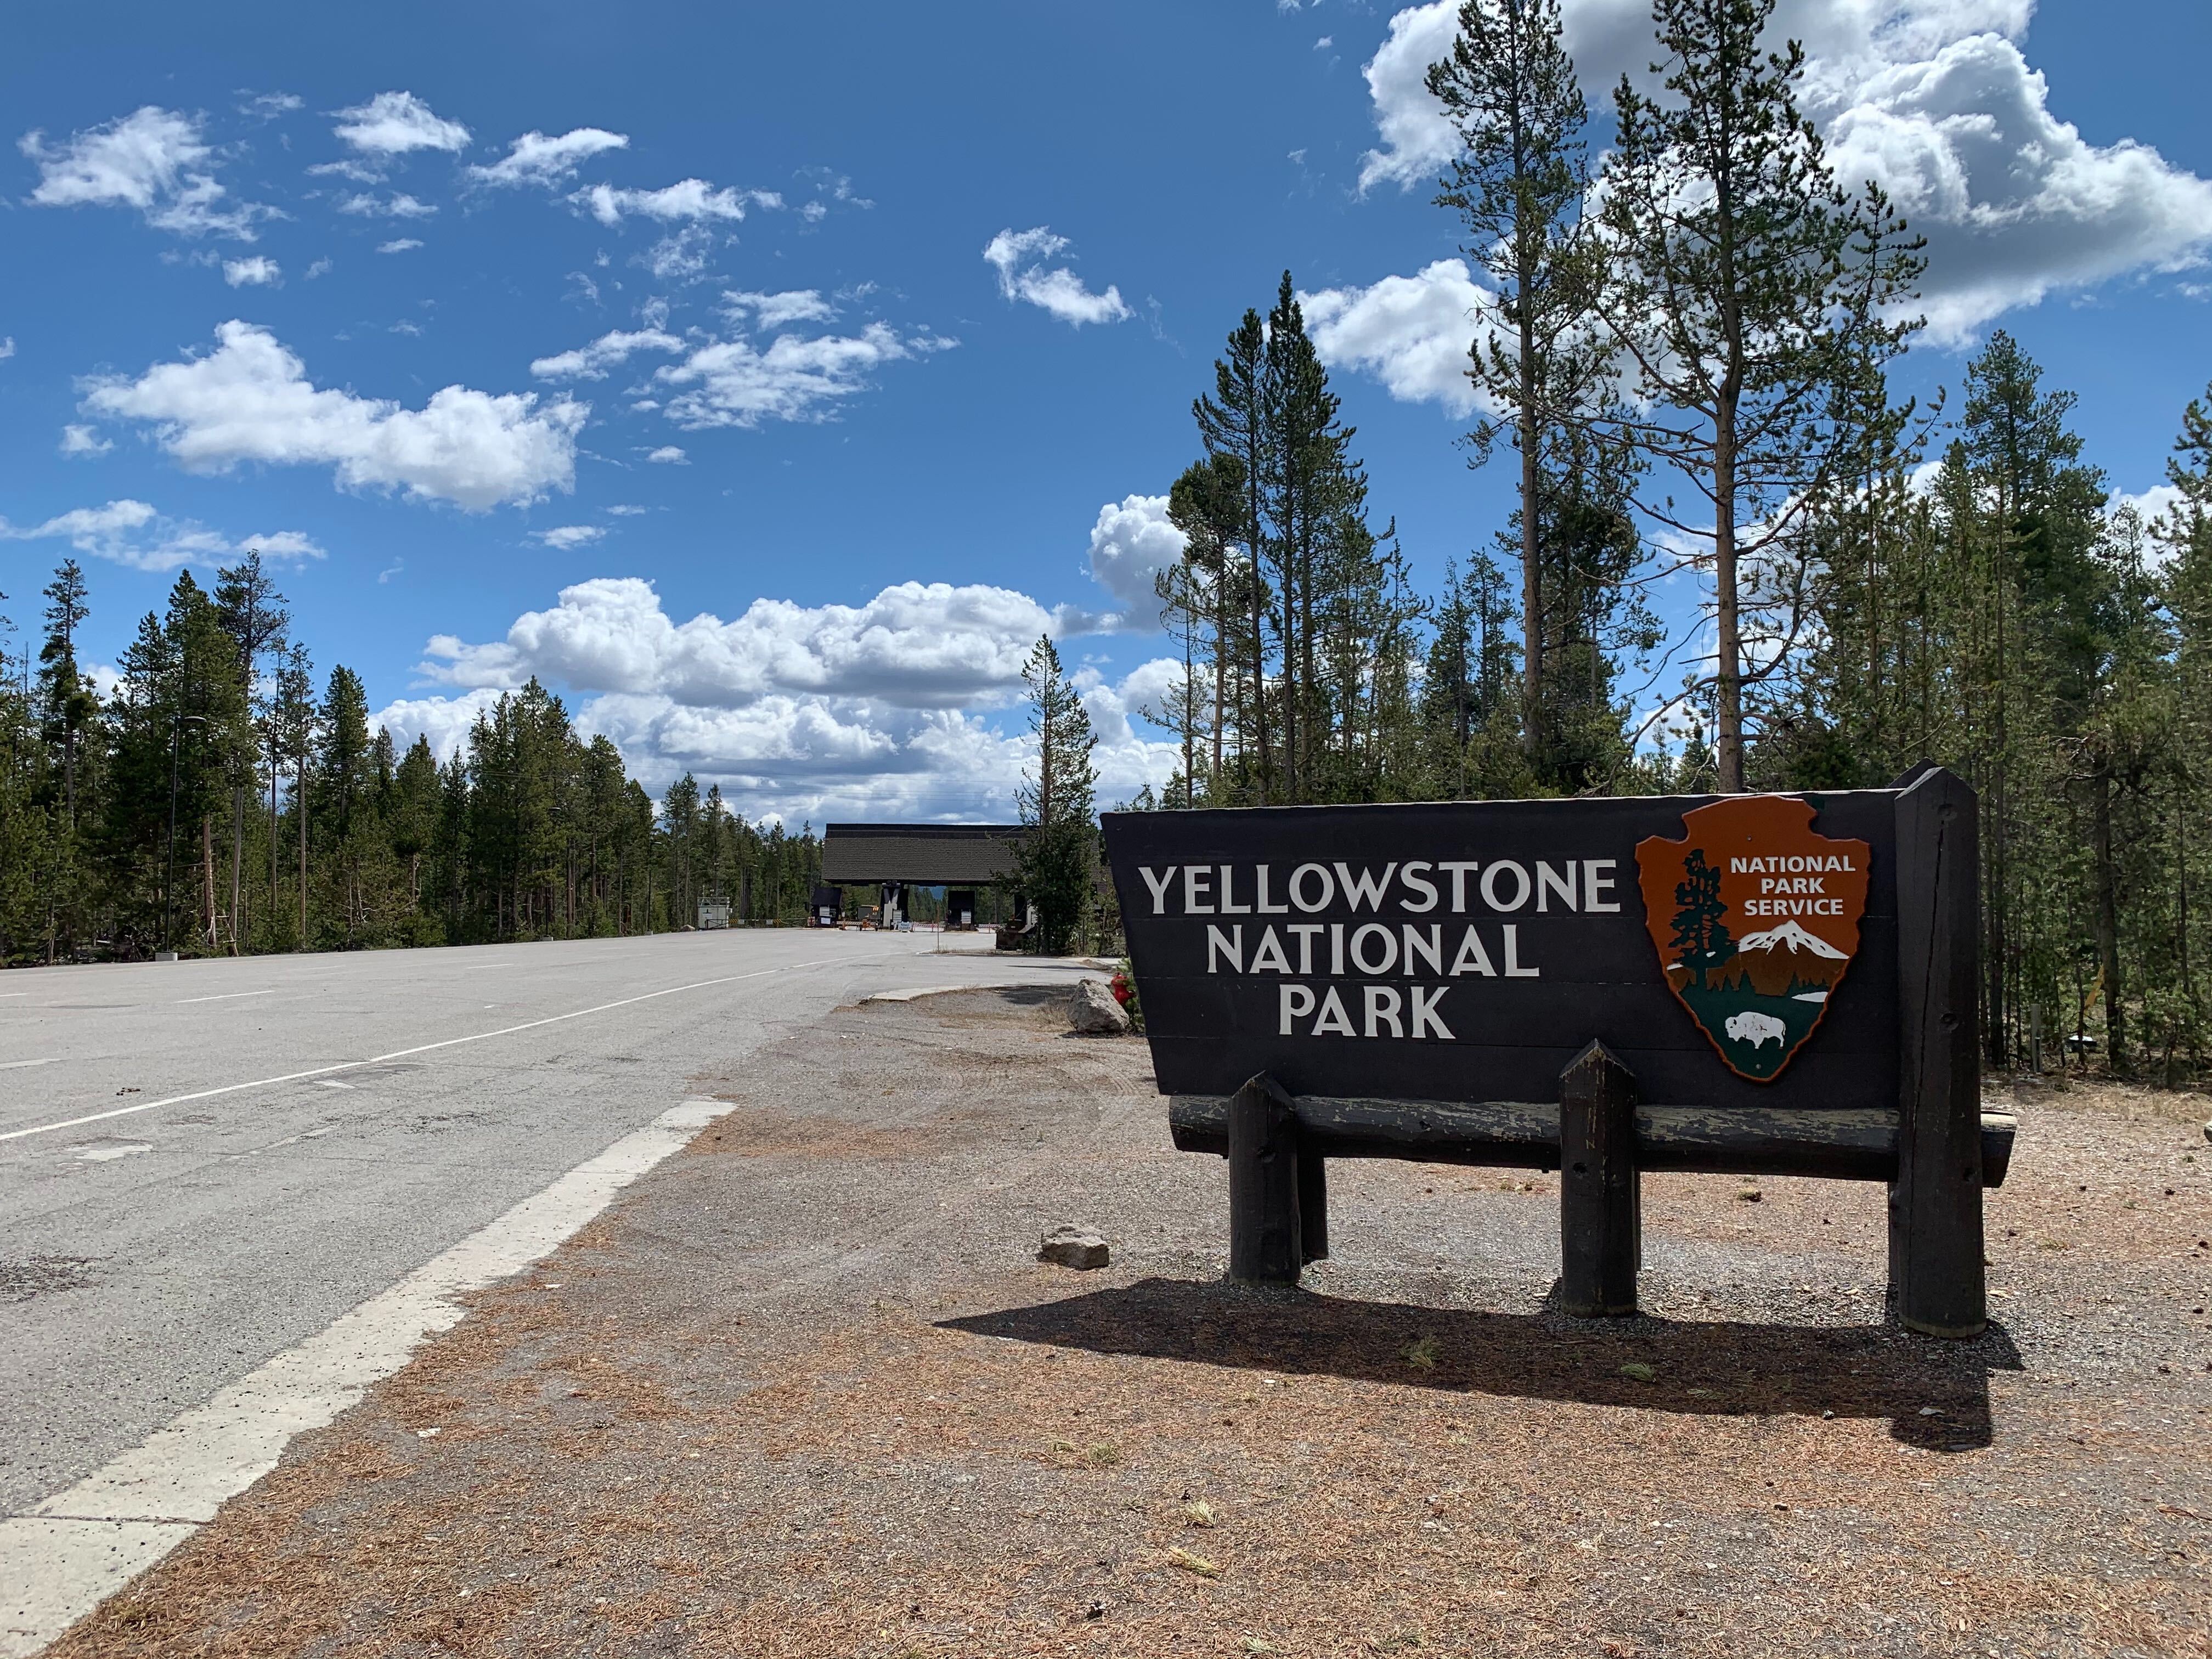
(109, 1154)
(80, 1546)
(18, 1065)
(229, 996)
(402, 1054)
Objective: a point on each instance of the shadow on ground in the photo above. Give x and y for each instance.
(1934, 1395)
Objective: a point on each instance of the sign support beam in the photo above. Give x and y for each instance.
(1601, 1188)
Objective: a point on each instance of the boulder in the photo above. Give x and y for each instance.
(1093, 1011)
(1073, 1246)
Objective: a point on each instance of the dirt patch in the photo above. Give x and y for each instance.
(804, 1392)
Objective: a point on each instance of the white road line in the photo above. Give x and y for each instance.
(402, 1054)
(80, 1546)
(18, 1065)
(230, 996)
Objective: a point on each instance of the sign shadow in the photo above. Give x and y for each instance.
(1935, 1396)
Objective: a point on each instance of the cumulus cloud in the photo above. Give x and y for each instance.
(803, 305)
(1130, 544)
(395, 122)
(257, 271)
(592, 362)
(131, 532)
(251, 400)
(893, 707)
(398, 245)
(535, 159)
(687, 198)
(154, 159)
(7, 346)
(679, 256)
(669, 455)
(567, 535)
(399, 205)
(83, 441)
(737, 383)
(1412, 334)
(1932, 98)
(1020, 258)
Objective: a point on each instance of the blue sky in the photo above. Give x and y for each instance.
(413, 298)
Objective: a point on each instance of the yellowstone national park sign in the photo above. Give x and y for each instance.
(1729, 950)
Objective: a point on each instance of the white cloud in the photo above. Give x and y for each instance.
(803, 305)
(83, 441)
(680, 257)
(1019, 259)
(737, 383)
(1412, 334)
(7, 346)
(320, 268)
(623, 510)
(669, 455)
(154, 159)
(1130, 544)
(398, 205)
(251, 400)
(395, 122)
(131, 532)
(896, 707)
(567, 535)
(687, 198)
(591, 362)
(258, 271)
(535, 159)
(398, 245)
(1932, 98)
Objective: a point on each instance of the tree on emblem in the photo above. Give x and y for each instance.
(1700, 934)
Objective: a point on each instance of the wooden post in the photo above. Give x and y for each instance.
(1265, 1239)
(1936, 1279)
(1601, 1209)
(1313, 1204)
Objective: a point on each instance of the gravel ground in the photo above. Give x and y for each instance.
(804, 1392)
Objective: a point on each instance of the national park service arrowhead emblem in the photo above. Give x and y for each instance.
(1756, 918)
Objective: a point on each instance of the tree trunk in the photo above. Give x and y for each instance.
(1532, 580)
(237, 862)
(1727, 712)
(2108, 916)
(207, 881)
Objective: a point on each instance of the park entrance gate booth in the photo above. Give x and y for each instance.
(959, 857)
(1744, 984)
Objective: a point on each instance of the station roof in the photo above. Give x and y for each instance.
(927, 854)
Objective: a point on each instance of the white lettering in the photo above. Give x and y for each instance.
(1382, 1003)
(1268, 953)
(1513, 968)
(1197, 882)
(1472, 957)
(1159, 884)
(1389, 950)
(1336, 949)
(1431, 948)
(1228, 907)
(1266, 909)
(1365, 886)
(1297, 888)
(1305, 931)
(1426, 999)
(1420, 884)
(1332, 1017)
(1593, 884)
(1458, 872)
(1490, 886)
(1297, 1000)
(1233, 948)
(1549, 881)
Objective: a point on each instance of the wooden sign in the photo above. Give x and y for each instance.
(1467, 951)
(1779, 984)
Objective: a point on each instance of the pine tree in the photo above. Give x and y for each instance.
(1059, 856)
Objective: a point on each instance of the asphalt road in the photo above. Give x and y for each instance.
(153, 1248)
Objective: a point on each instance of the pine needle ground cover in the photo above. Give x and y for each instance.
(804, 1392)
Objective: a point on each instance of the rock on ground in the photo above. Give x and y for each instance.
(1073, 1247)
(1093, 1011)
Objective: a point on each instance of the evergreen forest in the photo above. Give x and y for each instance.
(222, 798)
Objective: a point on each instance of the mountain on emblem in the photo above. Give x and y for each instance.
(1755, 918)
